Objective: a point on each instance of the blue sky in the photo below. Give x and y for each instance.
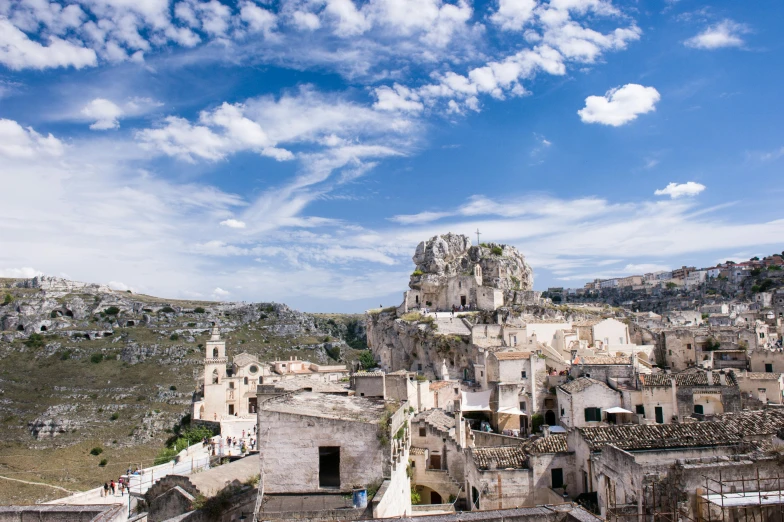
(298, 150)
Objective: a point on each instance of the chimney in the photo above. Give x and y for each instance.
(722, 378)
(460, 432)
(675, 397)
(710, 377)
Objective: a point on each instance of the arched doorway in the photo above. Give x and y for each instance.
(549, 418)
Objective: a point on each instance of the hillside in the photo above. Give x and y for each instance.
(83, 367)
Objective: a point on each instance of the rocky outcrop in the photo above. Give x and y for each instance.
(450, 255)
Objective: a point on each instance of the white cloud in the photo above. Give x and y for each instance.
(18, 142)
(421, 218)
(119, 286)
(306, 21)
(680, 190)
(25, 272)
(233, 223)
(724, 34)
(620, 105)
(18, 52)
(397, 98)
(512, 15)
(258, 19)
(220, 293)
(105, 113)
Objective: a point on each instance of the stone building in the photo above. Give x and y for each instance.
(324, 444)
(450, 272)
(229, 389)
(583, 401)
(758, 389)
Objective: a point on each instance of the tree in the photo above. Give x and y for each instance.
(199, 310)
(367, 360)
(8, 299)
(537, 419)
(112, 310)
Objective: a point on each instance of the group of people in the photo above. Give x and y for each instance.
(244, 443)
(113, 487)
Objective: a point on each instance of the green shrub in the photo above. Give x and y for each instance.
(191, 325)
(103, 463)
(8, 299)
(96, 358)
(173, 388)
(537, 419)
(497, 250)
(174, 337)
(417, 272)
(112, 310)
(416, 498)
(65, 355)
(199, 310)
(164, 456)
(167, 310)
(53, 314)
(114, 416)
(367, 360)
(35, 341)
(96, 451)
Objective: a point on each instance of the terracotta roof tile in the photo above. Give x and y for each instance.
(760, 376)
(417, 451)
(436, 418)
(580, 384)
(502, 457)
(552, 444)
(660, 436)
(512, 356)
(686, 379)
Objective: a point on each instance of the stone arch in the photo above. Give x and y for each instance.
(215, 352)
(549, 418)
(245, 381)
(43, 328)
(215, 378)
(201, 412)
(69, 313)
(130, 323)
(20, 328)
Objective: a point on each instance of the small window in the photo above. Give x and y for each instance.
(688, 346)
(481, 374)
(419, 367)
(670, 352)
(522, 406)
(698, 409)
(245, 381)
(593, 414)
(524, 374)
(768, 367)
(562, 412)
(253, 368)
(422, 431)
(640, 409)
(329, 467)
(231, 385)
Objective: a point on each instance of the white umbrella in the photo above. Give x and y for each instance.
(616, 409)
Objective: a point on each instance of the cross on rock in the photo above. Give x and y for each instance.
(477, 237)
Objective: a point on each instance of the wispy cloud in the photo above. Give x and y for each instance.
(726, 33)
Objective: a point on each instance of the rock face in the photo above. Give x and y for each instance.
(449, 270)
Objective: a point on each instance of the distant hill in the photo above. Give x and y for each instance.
(83, 366)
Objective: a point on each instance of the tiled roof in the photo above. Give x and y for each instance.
(552, 444)
(687, 379)
(602, 359)
(368, 374)
(417, 451)
(440, 384)
(512, 356)
(437, 418)
(751, 423)
(761, 376)
(580, 384)
(660, 436)
(503, 457)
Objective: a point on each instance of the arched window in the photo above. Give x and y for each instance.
(215, 377)
(215, 352)
(246, 381)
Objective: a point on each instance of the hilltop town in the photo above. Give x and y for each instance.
(659, 395)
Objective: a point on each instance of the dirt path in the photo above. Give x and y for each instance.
(37, 484)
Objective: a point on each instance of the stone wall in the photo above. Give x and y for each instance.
(292, 461)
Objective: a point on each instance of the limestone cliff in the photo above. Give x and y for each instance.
(450, 255)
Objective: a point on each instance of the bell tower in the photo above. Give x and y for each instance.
(215, 359)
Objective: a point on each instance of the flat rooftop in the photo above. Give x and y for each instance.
(327, 406)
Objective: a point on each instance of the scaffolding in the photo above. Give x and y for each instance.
(756, 499)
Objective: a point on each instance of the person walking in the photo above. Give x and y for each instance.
(113, 486)
(105, 489)
(122, 486)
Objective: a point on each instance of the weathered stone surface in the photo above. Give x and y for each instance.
(450, 255)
